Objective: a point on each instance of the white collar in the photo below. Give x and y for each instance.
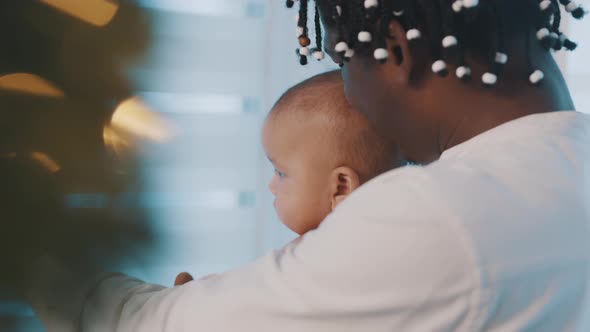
(541, 124)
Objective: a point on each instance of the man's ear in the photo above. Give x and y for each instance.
(343, 181)
(404, 54)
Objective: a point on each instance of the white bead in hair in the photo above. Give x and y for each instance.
(501, 58)
(300, 31)
(449, 41)
(318, 55)
(544, 5)
(470, 3)
(398, 14)
(380, 54)
(463, 71)
(536, 77)
(341, 47)
(543, 33)
(304, 51)
(489, 79)
(570, 7)
(364, 37)
(457, 6)
(371, 4)
(339, 10)
(413, 34)
(439, 66)
(349, 53)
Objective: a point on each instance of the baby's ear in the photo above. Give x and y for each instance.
(344, 180)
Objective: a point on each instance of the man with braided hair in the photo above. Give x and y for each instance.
(491, 233)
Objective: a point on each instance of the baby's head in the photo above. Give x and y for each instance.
(321, 149)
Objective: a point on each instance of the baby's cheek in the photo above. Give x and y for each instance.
(291, 217)
(281, 208)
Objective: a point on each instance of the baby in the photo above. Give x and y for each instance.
(321, 150)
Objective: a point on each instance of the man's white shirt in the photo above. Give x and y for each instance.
(494, 236)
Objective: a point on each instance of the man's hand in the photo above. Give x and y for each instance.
(182, 278)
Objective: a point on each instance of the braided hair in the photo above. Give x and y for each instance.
(362, 27)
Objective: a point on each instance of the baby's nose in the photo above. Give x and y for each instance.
(272, 186)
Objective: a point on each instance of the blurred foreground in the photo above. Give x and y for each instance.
(70, 128)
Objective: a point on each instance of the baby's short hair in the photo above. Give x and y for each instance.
(355, 143)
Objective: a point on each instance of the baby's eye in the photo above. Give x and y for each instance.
(279, 173)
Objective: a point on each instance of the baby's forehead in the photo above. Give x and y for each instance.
(324, 106)
(316, 129)
(302, 140)
(317, 110)
(319, 91)
(320, 118)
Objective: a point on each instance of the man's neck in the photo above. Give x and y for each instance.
(477, 114)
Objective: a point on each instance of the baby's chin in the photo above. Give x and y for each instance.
(299, 227)
(294, 228)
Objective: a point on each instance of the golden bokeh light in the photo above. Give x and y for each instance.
(114, 141)
(133, 116)
(46, 161)
(96, 12)
(29, 84)
(132, 121)
(40, 157)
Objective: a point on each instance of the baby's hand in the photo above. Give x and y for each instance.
(182, 278)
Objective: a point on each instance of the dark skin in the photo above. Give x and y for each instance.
(425, 115)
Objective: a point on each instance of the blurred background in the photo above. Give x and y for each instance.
(210, 71)
(213, 70)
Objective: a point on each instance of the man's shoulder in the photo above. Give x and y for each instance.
(446, 189)
(412, 192)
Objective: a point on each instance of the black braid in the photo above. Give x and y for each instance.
(499, 56)
(568, 44)
(382, 32)
(302, 22)
(531, 69)
(358, 23)
(410, 16)
(372, 16)
(337, 16)
(450, 30)
(544, 27)
(365, 24)
(556, 25)
(437, 35)
(577, 13)
(431, 20)
(318, 33)
(458, 23)
(527, 42)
